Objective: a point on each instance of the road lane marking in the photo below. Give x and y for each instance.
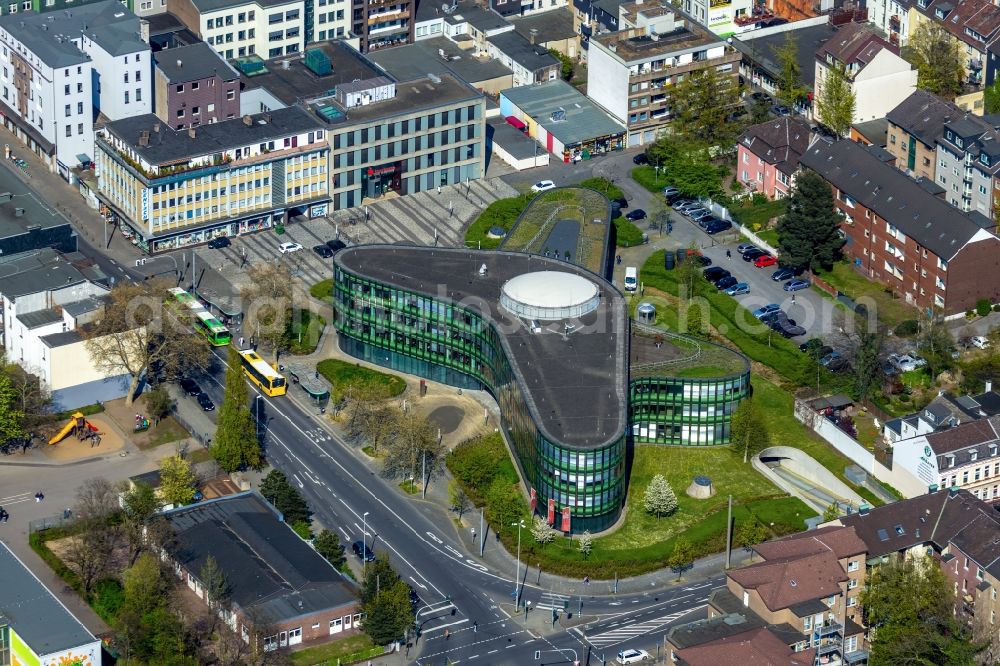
(621, 634)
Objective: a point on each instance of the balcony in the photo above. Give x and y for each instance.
(828, 629)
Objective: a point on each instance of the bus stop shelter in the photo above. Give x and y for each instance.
(309, 379)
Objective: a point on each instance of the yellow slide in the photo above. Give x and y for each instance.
(78, 417)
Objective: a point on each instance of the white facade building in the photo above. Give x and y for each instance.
(48, 65)
(719, 17)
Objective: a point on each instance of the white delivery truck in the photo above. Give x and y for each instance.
(631, 278)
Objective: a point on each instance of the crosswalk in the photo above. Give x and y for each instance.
(627, 632)
(552, 601)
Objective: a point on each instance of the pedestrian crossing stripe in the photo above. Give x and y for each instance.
(621, 634)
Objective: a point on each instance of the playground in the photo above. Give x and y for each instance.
(82, 437)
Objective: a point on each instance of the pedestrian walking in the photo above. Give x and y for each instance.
(38, 497)
(793, 298)
(241, 342)
(729, 254)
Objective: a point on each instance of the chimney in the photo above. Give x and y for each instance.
(180, 63)
(864, 509)
(144, 138)
(192, 133)
(247, 120)
(144, 30)
(989, 385)
(18, 212)
(534, 35)
(952, 491)
(267, 117)
(156, 127)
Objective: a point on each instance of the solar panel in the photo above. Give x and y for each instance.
(883, 535)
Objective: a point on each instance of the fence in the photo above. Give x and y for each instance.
(42, 524)
(758, 241)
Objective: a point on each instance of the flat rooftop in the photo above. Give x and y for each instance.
(298, 83)
(417, 60)
(553, 25)
(515, 142)
(34, 613)
(635, 44)
(411, 96)
(581, 118)
(193, 63)
(575, 384)
(762, 50)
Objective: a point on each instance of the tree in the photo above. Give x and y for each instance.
(836, 101)
(700, 105)
(176, 480)
(659, 498)
(504, 504)
(328, 545)
(866, 362)
(566, 64)
(135, 333)
(11, 418)
(831, 512)
(749, 533)
(385, 600)
(217, 589)
(278, 491)
(158, 402)
(267, 304)
(909, 607)
(139, 505)
(585, 543)
(689, 280)
(789, 83)
(34, 400)
(809, 231)
(991, 98)
(89, 552)
(935, 344)
(542, 532)
(682, 557)
(760, 111)
(373, 421)
(939, 59)
(413, 448)
(459, 501)
(236, 445)
(690, 166)
(749, 431)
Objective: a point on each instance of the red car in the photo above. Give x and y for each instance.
(764, 261)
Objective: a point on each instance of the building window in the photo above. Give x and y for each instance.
(79, 129)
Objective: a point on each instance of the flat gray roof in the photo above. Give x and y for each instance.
(35, 215)
(575, 384)
(808, 40)
(193, 63)
(34, 613)
(584, 119)
(532, 57)
(553, 25)
(170, 145)
(216, 5)
(48, 35)
(514, 141)
(411, 96)
(33, 272)
(417, 60)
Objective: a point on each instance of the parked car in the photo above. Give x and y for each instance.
(703, 260)
(699, 213)
(766, 309)
(753, 253)
(621, 203)
(838, 364)
(190, 386)
(543, 185)
(205, 402)
(288, 248)
(905, 362)
(717, 227)
(979, 342)
(726, 282)
(781, 110)
(323, 251)
(681, 204)
(707, 221)
(830, 358)
(713, 273)
(738, 289)
(219, 242)
(785, 326)
(336, 245)
(764, 261)
(636, 215)
(640, 159)
(363, 552)
(632, 656)
(670, 191)
(785, 273)
(761, 96)
(796, 285)
(771, 316)
(745, 247)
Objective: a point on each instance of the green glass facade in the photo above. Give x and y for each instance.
(419, 335)
(685, 411)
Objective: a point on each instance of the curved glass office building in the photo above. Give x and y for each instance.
(561, 378)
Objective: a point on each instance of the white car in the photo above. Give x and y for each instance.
(906, 363)
(979, 341)
(632, 656)
(543, 185)
(287, 248)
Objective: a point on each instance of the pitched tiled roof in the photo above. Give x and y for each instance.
(859, 173)
(780, 142)
(964, 435)
(980, 16)
(854, 43)
(841, 541)
(786, 581)
(759, 647)
(923, 115)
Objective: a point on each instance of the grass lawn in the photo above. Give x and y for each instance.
(323, 290)
(166, 431)
(756, 217)
(647, 177)
(304, 331)
(199, 455)
(890, 310)
(372, 383)
(409, 487)
(332, 650)
(769, 236)
(627, 234)
(500, 213)
(605, 187)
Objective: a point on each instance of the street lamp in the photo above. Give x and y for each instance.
(256, 410)
(517, 572)
(364, 544)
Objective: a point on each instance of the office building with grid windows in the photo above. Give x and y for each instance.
(552, 343)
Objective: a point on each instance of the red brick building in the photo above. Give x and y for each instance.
(899, 234)
(769, 155)
(281, 591)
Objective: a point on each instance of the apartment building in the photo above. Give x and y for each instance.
(530, 63)
(722, 18)
(168, 188)
(945, 411)
(524, 7)
(60, 69)
(891, 17)
(195, 86)
(628, 70)
(768, 155)
(968, 162)
(878, 77)
(379, 24)
(464, 22)
(973, 24)
(733, 639)
(914, 128)
(903, 236)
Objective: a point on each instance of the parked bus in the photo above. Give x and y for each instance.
(202, 319)
(262, 374)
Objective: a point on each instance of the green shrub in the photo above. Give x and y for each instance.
(626, 233)
(323, 290)
(983, 307)
(604, 186)
(996, 308)
(367, 383)
(108, 597)
(906, 328)
(303, 529)
(475, 463)
(500, 213)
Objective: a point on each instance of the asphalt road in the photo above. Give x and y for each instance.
(459, 593)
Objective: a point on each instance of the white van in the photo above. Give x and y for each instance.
(631, 278)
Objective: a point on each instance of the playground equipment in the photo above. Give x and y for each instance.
(79, 426)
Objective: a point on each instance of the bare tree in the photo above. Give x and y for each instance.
(34, 397)
(373, 422)
(267, 304)
(136, 332)
(414, 445)
(89, 551)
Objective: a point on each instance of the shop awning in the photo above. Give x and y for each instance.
(513, 121)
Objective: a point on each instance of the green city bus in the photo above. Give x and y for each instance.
(202, 320)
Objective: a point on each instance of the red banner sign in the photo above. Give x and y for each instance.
(534, 499)
(550, 518)
(565, 519)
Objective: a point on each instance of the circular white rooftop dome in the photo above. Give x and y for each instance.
(549, 295)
